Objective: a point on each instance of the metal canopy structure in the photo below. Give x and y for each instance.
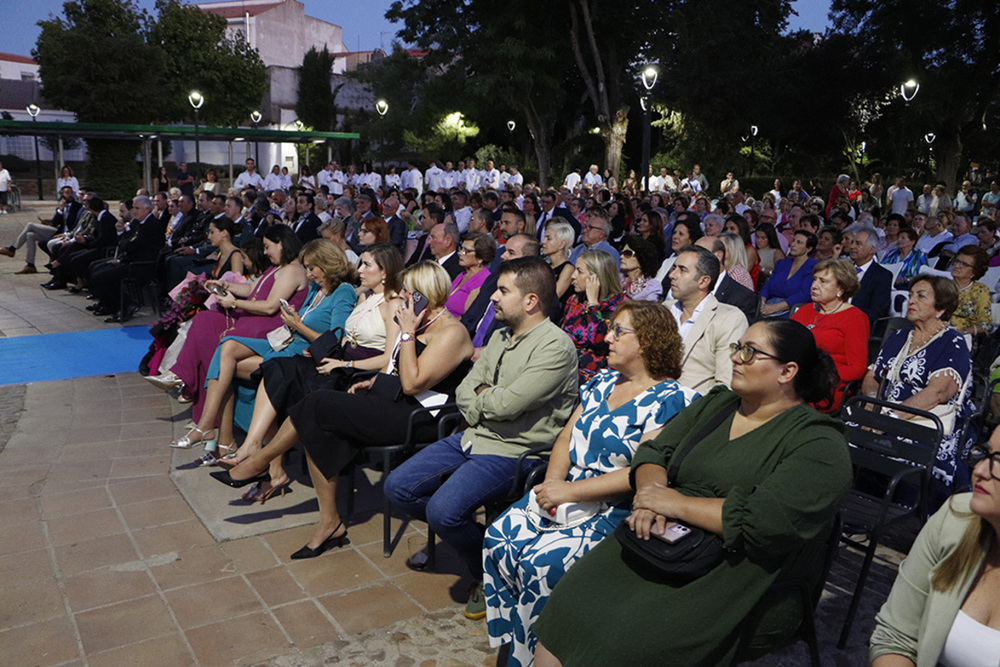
(147, 134)
(118, 131)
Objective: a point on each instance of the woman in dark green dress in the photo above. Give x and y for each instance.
(768, 480)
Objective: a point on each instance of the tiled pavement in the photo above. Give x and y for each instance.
(103, 562)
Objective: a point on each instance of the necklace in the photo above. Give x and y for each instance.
(819, 314)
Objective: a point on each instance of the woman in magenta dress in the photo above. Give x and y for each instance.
(474, 256)
(248, 311)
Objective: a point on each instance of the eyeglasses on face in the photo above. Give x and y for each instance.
(981, 452)
(619, 331)
(747, 352)
(962, 262)
(466, 251)
(627, 252)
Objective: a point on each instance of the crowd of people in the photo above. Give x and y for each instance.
(607, 321)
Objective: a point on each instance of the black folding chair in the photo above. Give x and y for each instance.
(885, 451)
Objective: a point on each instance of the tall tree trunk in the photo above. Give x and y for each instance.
(542, 140)
(949, 158)
(613, 134)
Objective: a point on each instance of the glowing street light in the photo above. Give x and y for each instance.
(255, 117)
(33, 111)
(909, 90)
(649, 75)
(382, 107)
(511, 125)
(196, 99)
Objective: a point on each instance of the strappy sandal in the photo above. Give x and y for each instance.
(187, 443)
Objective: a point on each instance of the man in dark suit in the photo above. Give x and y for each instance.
(161, 204)
(444, 240)
(431, 216)
(143, 243)
(727, 290)
(307, 226)
(550, 211)
(876, 282)
(397, 228)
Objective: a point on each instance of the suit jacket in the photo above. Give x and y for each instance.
(732, 293)
(307, 228)
(182, 227)
(706, 361)
(476, 310)
(196, 230)
(875, 294)
(452, 266)
(66, 221)
(145, 242)
(351, 227)
(420, 249)
(559, 214)
(107, 235)
(397, 233)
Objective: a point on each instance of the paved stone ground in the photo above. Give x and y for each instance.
(102, 561)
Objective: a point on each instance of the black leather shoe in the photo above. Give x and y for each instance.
(224, 477)
(104, 311)
(54, 285)
(327, 544)
(94, 306)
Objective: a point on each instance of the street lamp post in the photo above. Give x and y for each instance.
(649, 76)
(33, 110)
(908, 90)
(196, 99)
(929, 138)
(255, 119)
(753, 134)
(382, 107)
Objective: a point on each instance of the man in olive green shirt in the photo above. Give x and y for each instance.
(518, 395)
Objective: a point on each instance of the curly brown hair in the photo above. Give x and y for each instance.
(658, 338)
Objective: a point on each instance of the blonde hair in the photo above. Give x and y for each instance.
(330, 259)
(602, 265)
(431, 280)
(962, 562)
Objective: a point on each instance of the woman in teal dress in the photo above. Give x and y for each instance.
(767, 481)
(526, 553)
(330, 299)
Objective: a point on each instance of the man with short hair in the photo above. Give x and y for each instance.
(962, 236)
(444, 240)
(38, 234)
(490, 176)
(517, 396)
(185, 181)
(273, 180)
(595, 235)
(461, 211)
(926, 200)
(471, 176)
(900, 196)
(512, 221)
(397, 228)
(706, 326)
(481, 222)
(550, 210)
(431, 216)
(449, 177)
(306, 227)
(965, 200)
(726, 289)
(479, 317)
(875, 294)
(432, 177)
(249, 178)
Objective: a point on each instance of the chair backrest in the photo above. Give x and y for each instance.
(886, 444)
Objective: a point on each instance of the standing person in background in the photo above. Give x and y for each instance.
(5, 182)
(67, 180)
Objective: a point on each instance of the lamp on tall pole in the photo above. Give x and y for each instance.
(908, 91)
(196, 99)
(382, 107)
(753, 133)
(33, 110)
(255, 119)
(649, 75)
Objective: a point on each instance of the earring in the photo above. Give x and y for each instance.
(840, 295)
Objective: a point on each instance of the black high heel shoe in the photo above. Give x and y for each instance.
(224, 477)
(326, 545)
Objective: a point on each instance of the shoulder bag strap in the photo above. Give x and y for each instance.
(698, 436)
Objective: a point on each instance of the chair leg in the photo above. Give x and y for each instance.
(386, 507)
(809, 630)
(859, 588)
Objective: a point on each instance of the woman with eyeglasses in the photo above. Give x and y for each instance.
(639, 262)
(474, 256)
(766, 480)
(974, 315)
(944, 608)
(929, 367)
(527, 550)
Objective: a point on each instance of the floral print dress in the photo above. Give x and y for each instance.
(522, 561)
(587, 326)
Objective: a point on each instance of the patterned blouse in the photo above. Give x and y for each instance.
(974, 308)
(588, 326)
(911, 265)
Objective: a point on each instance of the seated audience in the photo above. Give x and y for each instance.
(37, 234)
(792, 277)
(728, 248)
(875, 294)
(768, 247)
(474, 256)
(639, 263)
(929, 367)
(766, 481)
(525, 551)
(596, 230)
(371, 231)
(329, 301)
(841, 330)
(974, 314)
(906, 253)
(706, 326)
(518, 395)
(250, 311)
(943, 608)
(589, 310)
(333, 426)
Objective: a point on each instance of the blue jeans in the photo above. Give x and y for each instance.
(449, 507)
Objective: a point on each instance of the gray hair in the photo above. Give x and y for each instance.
(346, 201)
(562, 231)
(320, 204)
(716, 218)
(843, 178)
(451, 229)
(334, 226)
(144, 201)
(858, 227)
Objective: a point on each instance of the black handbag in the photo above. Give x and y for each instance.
(688, 558)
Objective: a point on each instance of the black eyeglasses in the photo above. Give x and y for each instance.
(748, 352)
(981, 452)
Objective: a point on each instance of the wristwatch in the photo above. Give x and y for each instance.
(406, 337)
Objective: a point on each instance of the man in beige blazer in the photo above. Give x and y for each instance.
(706, 326)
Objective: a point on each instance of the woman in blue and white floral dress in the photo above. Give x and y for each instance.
(526, 553)
(928, 366)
